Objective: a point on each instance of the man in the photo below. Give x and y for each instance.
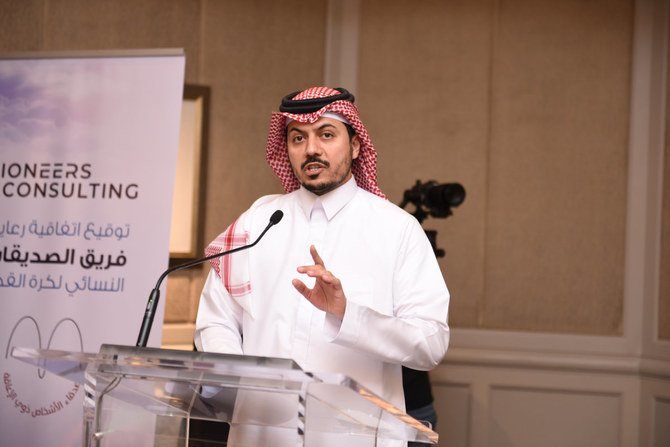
(347, 282)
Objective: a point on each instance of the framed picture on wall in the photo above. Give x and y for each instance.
(186, 234)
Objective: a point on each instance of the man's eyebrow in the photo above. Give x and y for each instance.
(324, 125)
(294, 129)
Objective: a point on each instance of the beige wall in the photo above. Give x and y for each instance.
(526, 103)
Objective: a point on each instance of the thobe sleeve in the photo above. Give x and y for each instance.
(416, 335)
(218, 327)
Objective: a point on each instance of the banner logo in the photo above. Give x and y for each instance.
(25, 329)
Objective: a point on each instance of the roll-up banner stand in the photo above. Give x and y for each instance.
(88, 147)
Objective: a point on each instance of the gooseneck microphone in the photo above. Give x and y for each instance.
(152, 304)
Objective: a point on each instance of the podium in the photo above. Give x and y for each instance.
(149, 397)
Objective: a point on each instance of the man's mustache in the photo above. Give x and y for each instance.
(313, 159)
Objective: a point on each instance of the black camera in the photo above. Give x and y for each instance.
(433, 199)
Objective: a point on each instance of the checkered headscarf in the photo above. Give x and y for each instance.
(307, 107)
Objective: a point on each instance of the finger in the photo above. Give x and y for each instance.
(320, 274)
(315, 256)
(316, 271)
(323, 276)
(301, 287)
(329, 278)
(311, 269)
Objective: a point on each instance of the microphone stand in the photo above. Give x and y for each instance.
(154, 296)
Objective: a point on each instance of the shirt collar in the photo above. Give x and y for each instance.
(332, 202)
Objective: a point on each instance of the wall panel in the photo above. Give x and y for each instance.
(527, 104)
(661, 418)
(454, 423)
(531, 417)
(558, 166)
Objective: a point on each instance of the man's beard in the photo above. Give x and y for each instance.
(322, 188)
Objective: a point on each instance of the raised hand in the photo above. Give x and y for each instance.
(327, 294)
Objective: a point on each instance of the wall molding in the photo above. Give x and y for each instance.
(632, 366)
(555, 343)
(645, 177)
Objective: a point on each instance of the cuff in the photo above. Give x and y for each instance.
(347, 330)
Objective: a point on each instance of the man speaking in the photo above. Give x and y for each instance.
(348, 282)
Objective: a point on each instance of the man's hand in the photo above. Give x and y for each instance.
(327, 294)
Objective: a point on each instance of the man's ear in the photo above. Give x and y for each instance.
(355, 146)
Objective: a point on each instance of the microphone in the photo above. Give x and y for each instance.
(152, 304)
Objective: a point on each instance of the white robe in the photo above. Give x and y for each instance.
(397, 299)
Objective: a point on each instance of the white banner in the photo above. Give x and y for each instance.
(87, 160)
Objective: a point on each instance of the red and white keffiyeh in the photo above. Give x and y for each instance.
(236, 283)
(364, 168)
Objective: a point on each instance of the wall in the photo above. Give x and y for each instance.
(519, 102)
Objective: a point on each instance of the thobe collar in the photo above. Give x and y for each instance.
(331, 202)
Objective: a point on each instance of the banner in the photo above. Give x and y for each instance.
(88, 149)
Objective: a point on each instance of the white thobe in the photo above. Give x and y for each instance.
(397, 300)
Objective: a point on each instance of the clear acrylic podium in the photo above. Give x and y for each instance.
(147, 397)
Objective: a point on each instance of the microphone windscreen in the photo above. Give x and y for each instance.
(276, 217)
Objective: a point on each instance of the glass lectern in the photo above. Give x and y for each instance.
(147, 397)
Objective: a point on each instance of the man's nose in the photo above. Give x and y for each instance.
(313, 147)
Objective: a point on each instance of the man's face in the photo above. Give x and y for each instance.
(321, 153)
